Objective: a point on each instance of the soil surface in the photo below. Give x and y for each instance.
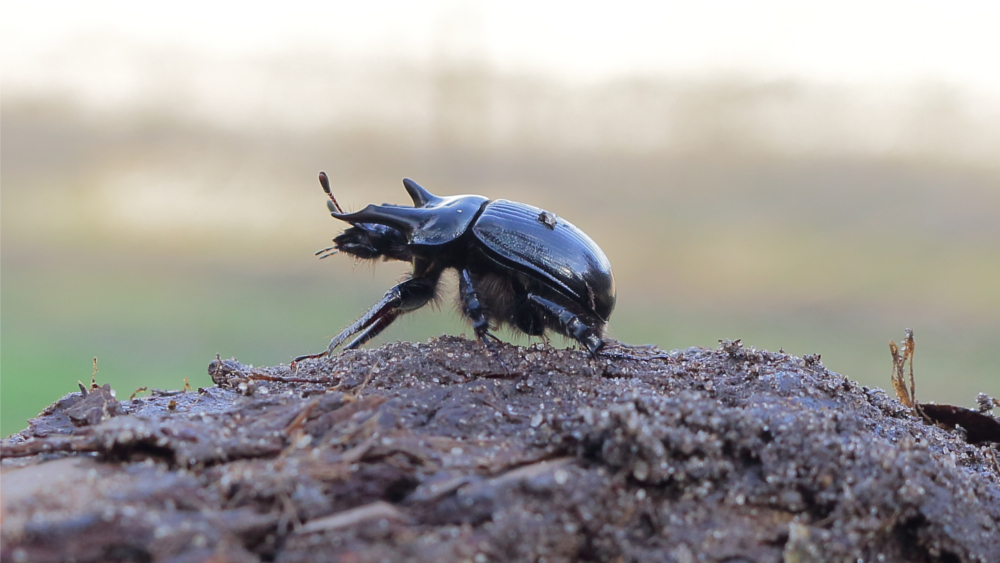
(435, 452)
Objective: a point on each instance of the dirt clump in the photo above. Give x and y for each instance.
(436, 452)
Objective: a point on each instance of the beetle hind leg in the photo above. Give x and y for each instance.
(570, 324)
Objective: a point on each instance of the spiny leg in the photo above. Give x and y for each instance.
(571, 324)
(473, 309)
(407, 296)
(373, 330)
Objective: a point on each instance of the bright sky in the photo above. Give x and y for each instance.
(871, 41)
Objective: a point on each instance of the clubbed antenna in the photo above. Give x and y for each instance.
(325, 182)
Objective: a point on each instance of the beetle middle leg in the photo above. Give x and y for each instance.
(570, 323)
(473, 308)
(407, 296)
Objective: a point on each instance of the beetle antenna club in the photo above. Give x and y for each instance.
(325, 182)
(514, 267)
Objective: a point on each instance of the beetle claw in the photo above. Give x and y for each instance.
(294, 366)
(485, 338)
(620, 355)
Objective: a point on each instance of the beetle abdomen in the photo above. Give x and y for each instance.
(542, 244)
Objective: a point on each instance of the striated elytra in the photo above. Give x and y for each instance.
(518, 265)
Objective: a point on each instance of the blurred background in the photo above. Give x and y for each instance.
(808, 176)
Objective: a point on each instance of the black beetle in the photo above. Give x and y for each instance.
(517, 265)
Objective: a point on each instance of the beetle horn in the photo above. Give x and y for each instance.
(421, 197)
(403, 219)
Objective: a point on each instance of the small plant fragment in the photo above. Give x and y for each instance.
(900, 357)
(979, 426)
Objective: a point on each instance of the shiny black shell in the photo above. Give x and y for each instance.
(515, 235)
(538, 243)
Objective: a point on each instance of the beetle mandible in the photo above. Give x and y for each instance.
(518, 266)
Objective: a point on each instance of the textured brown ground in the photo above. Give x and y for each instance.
(729, 455)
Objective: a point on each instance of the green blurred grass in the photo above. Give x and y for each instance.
(153, 322)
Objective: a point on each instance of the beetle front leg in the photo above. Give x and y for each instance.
(407, 296)
(571, 324)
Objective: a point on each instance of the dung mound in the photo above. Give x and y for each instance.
(435, 452)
